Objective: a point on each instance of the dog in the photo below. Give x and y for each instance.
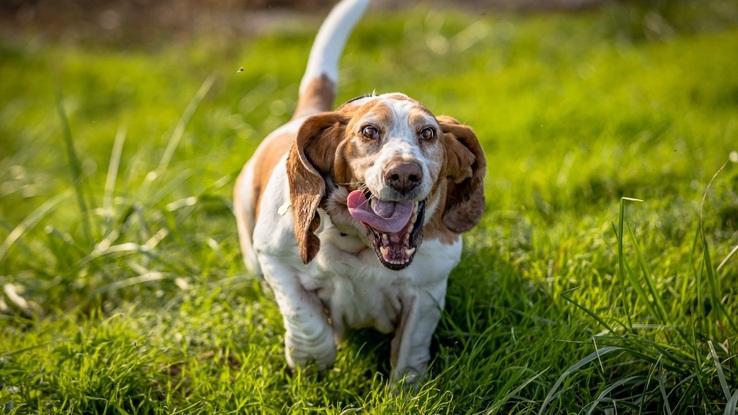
(354, 215)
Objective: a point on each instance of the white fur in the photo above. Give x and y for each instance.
(401, 141)
(355, 287)
(244, 200)
(331, 39)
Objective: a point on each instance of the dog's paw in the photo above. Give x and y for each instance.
(310, 346)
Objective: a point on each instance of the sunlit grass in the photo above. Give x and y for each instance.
(123, 286)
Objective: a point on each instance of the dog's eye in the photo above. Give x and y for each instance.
(370, 132)
(427, 134)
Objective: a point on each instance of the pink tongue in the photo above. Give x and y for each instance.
(389, 217)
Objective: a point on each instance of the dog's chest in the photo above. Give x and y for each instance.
(356, 289)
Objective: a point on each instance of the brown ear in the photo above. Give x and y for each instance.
(311, 159)
(465, 168)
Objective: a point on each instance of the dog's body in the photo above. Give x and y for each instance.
(333, 207)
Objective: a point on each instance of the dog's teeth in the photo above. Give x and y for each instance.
(384, 250)
(385, 240)
(409, 251)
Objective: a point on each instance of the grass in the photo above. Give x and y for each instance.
(124, 291)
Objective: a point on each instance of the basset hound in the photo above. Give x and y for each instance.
(353, 215)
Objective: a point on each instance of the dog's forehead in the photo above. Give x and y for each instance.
(392, 108)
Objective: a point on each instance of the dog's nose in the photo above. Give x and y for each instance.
(403, 176)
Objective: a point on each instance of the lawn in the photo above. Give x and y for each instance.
(123, 286)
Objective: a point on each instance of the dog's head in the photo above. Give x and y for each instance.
(393, 164)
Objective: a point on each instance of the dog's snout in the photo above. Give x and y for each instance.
(403, 176)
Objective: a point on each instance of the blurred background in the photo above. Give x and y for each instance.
(127, 20)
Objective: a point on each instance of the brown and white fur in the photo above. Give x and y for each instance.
(324, 266)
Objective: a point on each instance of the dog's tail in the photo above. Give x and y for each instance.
(318, 85)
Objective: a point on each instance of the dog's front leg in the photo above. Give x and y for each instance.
(421, 310)
(308, 336)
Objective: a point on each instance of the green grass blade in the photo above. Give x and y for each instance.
(75, 168)
(712, 279)
(647, 276)
(727, 258)
(619, 233)
(664, 396)
(29, 222)
(570, 370)
(719, 368)
(589, 312)
(501, 402)
(732, 405)
(608, 390)
(181, 126)
(112, 175)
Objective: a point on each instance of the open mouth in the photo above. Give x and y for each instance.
(396, 227)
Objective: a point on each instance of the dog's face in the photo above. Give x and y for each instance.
(390, 159)
(394, 147)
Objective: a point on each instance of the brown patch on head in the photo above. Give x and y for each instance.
(378, 110)
(357, 153)
(465, 168)
(310, 159)
(419, 115)
(459, 190)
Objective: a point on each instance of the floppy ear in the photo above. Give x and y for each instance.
(310, 159)
(465, 167)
